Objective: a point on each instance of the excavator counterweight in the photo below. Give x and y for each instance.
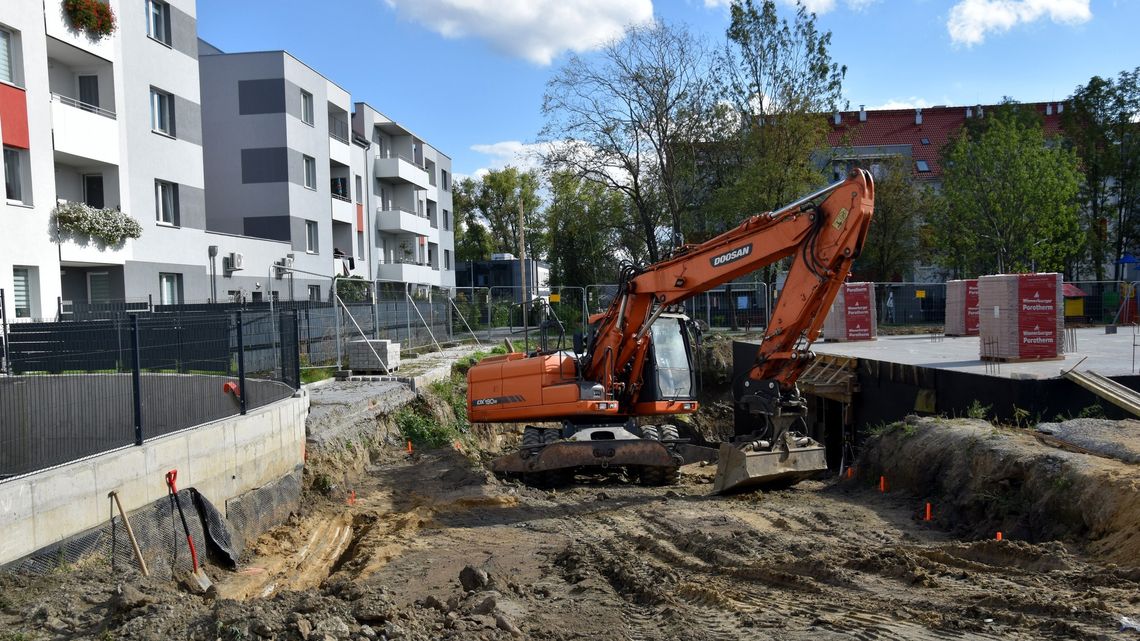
(599, 405)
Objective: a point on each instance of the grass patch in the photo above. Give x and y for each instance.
(417, 426)
(977, 410)
(317, 374)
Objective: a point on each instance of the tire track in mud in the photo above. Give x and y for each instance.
(726, 580)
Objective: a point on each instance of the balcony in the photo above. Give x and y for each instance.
(407, 273)
(401, 169)
(397, 221)
(343, 211)
(84, 131)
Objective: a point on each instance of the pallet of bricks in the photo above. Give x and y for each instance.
(852, 315)
(1021, 317)
(962, 307)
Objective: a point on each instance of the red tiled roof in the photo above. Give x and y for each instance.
(897, 127)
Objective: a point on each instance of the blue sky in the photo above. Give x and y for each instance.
(468, 75)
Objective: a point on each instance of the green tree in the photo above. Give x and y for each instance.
(776, 77)
(1011, 199)
(1100, 123)
(585, 220)
(628, 119)
(492, 203)
(901, 205)
(472, 239)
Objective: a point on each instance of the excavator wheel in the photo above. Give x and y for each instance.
(555, 478)
(533, 436)
(657, 475)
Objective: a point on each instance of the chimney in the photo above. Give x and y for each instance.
(862, 113)
(918, 116)
(837, 117)
(981, 112)
(1049, 109)
(1060, 107)
(969, 112)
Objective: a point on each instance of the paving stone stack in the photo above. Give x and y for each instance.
(361, 358)
(962, 307)
(852, 315)
(1021, 316)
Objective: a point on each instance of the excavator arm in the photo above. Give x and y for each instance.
(824, 232)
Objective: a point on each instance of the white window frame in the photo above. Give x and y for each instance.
(17, 172)
(23, 310)
(158, 21)
(307, 108)
(315, 292)
(309, 164)
(175, 280)
(312, 237)
(6, 45)
(162, 109)
(164, 215)
(90, 297)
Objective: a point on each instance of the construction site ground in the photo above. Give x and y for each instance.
(430, 545)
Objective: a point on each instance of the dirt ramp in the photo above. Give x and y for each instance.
(981, 480)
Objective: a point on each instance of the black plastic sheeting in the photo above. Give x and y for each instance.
(219, 543)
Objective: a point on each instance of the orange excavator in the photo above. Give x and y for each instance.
(610, 397)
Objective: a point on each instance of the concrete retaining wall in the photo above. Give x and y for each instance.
(223, 460)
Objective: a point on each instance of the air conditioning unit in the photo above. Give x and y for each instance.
(234, 262)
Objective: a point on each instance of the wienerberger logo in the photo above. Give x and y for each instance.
(731, 256)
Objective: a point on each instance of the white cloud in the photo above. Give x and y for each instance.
(901, 103)
(971, 20)
(819, 7)
(523, 155)
(537, 30)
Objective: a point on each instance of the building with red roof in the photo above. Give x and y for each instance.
(918, 135)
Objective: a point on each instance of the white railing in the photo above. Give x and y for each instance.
(78, 104)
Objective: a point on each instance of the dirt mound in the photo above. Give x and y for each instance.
(982, 480)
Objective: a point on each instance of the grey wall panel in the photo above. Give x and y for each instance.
(265, 165)
(297, 226)
(188, 120)
(183, 32)
(272, 227)
(191, 207)
(262, 96)
(141, 278)
(293, 100)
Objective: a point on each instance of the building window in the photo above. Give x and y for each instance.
(446, 220)
(926, 141)
(311, 244)
(314, 292)
(161, 112)
(306, 107)
(17, 186)
(922, 166)
(447, 259)
(98, 287)
(6, 56)
(310, 172)
(444, 180)
(158, 21)
(170, 289)
(22, 291)
(166, 202)
(359, 190)
(360, 245)
(93, 190)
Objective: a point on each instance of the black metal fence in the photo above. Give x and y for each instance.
(75, 389)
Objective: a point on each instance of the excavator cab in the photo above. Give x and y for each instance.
(670, 372)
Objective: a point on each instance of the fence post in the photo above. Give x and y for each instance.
(336, 310)
(241, 363)
(136, 378)
(4, 336)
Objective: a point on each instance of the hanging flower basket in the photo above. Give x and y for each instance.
(109, 226)
(93, 16)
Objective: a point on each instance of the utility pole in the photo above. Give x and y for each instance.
(522, 271)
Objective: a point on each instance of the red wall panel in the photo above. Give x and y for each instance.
(14, 116)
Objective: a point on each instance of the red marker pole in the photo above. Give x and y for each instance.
(999, 536)
(882, 484)
(927, 511)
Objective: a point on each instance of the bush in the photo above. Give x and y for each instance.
(93, 16)
(417, 427)
(110, 226)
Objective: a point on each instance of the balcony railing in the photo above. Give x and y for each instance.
(339, 197)
(407, 159)
(78, 104)
(338, 129)
(402, 211)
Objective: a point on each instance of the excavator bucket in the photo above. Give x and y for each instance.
(793, 459)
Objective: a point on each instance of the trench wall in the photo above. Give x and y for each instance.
(223, 460)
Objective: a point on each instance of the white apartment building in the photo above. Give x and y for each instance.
(231, 163)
